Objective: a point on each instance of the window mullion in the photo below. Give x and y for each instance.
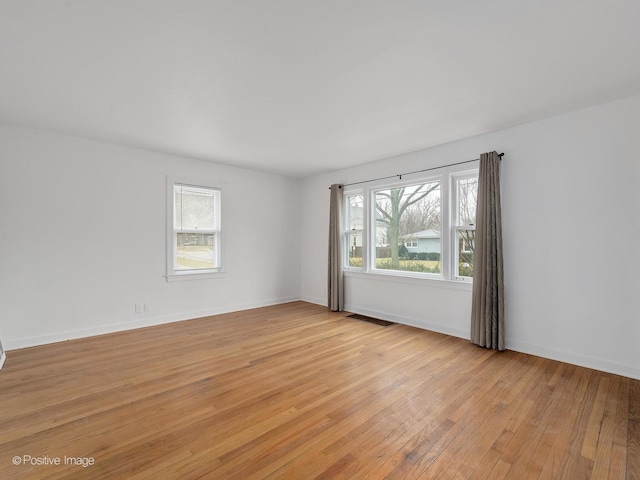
(445, 230)
(370, 230)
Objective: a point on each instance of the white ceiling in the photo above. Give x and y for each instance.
(301, 87)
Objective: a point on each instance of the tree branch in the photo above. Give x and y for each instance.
(387, 217)
(411, 200)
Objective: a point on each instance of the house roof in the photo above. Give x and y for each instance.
(422, 234)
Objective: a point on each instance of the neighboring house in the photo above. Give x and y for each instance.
(422, 242)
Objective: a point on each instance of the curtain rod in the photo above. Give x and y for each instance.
(416, 171)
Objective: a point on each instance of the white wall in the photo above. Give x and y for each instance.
(83, 238)
(571, 214)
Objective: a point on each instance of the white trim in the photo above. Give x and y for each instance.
(3, 355)
(414, 279)
(412, 322)
(315, 300)
(601, 364)
(186, 275)
(631, 371)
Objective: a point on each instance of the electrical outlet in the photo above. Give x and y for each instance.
(147, 306)
(138, 308)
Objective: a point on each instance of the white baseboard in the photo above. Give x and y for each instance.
(631, 371)
(316, 300)
(146, 322)
(412, 322)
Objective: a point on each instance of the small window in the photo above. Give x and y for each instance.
(411, 243)
(195, 241)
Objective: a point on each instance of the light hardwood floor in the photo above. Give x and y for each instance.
(296, 392)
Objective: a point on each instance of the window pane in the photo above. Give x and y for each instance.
(408, 215)
(195, 251)
(194, 208)
(466, 242)
(467, 189)
(354, 245)
(355, 211)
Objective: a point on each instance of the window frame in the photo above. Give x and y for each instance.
(346, 231)
(448, 210)
(173, 274)
(456, 225)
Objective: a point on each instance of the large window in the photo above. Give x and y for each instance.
(194, 238)
(423, 228)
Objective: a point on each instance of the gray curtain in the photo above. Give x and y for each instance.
(335, 288)
(487, 309)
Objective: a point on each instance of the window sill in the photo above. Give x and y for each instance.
(184, 276)
(408, 278)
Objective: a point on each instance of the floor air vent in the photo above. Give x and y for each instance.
(377, 321)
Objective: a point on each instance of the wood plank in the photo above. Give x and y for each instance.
(296, 391)
(562, 434)
(595, 421)
(607, 428)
